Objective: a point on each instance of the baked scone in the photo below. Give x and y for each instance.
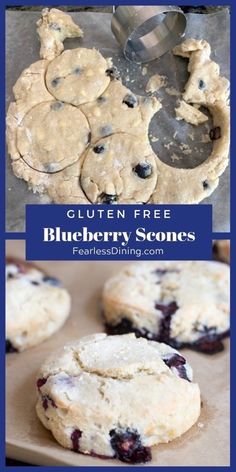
(221, 250)
(116, 396)
(36, 305)
(184, 304)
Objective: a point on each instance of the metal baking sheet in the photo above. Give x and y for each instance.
(22, 48)
(205, 444)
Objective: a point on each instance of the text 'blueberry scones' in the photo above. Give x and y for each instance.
(116, 396)
(184, 304)
(36, 305)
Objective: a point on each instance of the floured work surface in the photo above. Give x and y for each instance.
(205, 444)
(176, 142)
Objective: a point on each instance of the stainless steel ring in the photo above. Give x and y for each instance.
(147, 32)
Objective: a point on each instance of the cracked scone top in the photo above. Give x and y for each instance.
(116, 396)
(36, 305)
(179, 303)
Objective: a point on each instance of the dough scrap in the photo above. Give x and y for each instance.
(193, 185)
(53, 28)
(190, 114)
(155, 83)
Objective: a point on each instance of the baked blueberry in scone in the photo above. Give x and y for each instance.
(116, 396)
(183, 304)
(36, 305)
(221, 250)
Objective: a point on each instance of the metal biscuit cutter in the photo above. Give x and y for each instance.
(147, 32)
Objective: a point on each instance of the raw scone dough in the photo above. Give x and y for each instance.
(116, 396)
(84, 83)
(60, 187)
(36, 305)
(190, 114)
(155, 83)
(221, 250)
(119, 110)
(204, 87)
(78, 76)
(52, 136)
(29, 90)
(119, 169)
(53, 28)
(180, 303)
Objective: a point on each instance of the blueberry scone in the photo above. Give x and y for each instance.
(119, 169)
(116, 396)
(36, 305)
(184, 304)
(221, 250)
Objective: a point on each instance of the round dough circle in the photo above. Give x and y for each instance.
(109, 173)
(52, 136)
(101, 395)
(77, 76)
(180, 303)
(36, 305)
(118, 110)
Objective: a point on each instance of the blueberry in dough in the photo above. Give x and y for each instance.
(143, 170)
(54, 27)
(99, 149)
(56, 106)
(107, 198)
(55, 81)
(113, 73)
(215, 133)
(130, 100)
(205, 184)
(201, 84)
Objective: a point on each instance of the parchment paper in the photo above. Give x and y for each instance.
(206, 444)
(23, 49)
